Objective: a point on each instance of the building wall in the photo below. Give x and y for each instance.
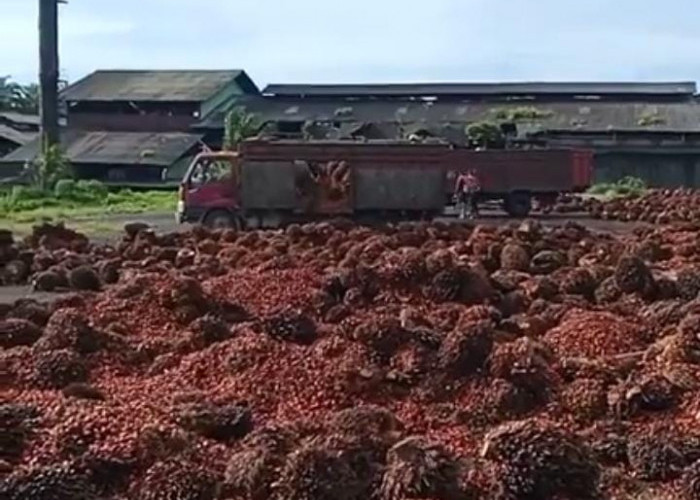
(9, 170)
(121, 116)
(120, 174)
(657, 170)
(130, 122)
(222, 99)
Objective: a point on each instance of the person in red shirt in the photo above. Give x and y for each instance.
(467, 188)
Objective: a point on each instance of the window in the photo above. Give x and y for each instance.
(208, 171)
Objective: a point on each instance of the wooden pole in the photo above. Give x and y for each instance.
(48, 71)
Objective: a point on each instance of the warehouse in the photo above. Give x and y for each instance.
(134, 128)
(646, 130)
(150, 101)
(127, 159)
(16, 130)
(649, 130)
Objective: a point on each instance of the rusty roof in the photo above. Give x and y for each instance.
(115, 148)
(565, 116)
(153, 86)
(484, 89)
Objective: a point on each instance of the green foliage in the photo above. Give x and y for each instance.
(239, 126)
(51, 167)
(485, 134)
(71, 198)
(627, 186)
(521, 114)
(89, 192)
(17, 97)
(64, 188)
(26, 99)
(23, 198)
(26, 195)
(5, 94)
(650, 118)
(142, 201)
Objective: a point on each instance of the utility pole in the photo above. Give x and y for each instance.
(48, 72)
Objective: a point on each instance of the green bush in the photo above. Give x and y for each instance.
(521, 114)
(51, 167)
(632, 185)
(86, 197)
(90, 192)
(64, 189)
(650, 119)
(627, 186)
(23, 198)
(84, 192)
(485, 134)
(239, 126)
(26, 193)
(93, 186)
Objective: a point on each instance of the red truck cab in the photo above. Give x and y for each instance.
(209, 192)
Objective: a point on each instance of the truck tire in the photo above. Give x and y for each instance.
(221, 219)
(518, 204)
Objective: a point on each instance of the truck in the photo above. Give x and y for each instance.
(270, 183)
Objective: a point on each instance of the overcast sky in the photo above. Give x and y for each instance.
(368, 40)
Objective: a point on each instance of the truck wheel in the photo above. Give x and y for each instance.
(221, 219)
(518, 204)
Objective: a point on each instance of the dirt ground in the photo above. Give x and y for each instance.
(167, 223)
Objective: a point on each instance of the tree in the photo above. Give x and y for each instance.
(26, 99)
(485, 134)
(51, 167)
(17, 97)
(5, 93)
(238, 127)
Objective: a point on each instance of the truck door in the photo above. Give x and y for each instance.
(212, 183)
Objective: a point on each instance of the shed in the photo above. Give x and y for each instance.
(599, 117)
(671, 91)
(158, 101)
(653, 126)
(118, 158)
(16, 130)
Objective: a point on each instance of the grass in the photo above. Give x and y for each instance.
(121, 204)
(74, 200)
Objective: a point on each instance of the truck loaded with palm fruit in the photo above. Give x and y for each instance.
(268, 183)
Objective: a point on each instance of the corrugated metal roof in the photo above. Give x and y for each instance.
(17, 136)
(182, 86)
(576, 116)
(114, 148)
(493, 89)
(20, 118)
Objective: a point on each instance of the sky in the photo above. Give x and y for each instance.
(355, 41)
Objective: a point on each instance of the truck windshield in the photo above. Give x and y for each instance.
(208, 171)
